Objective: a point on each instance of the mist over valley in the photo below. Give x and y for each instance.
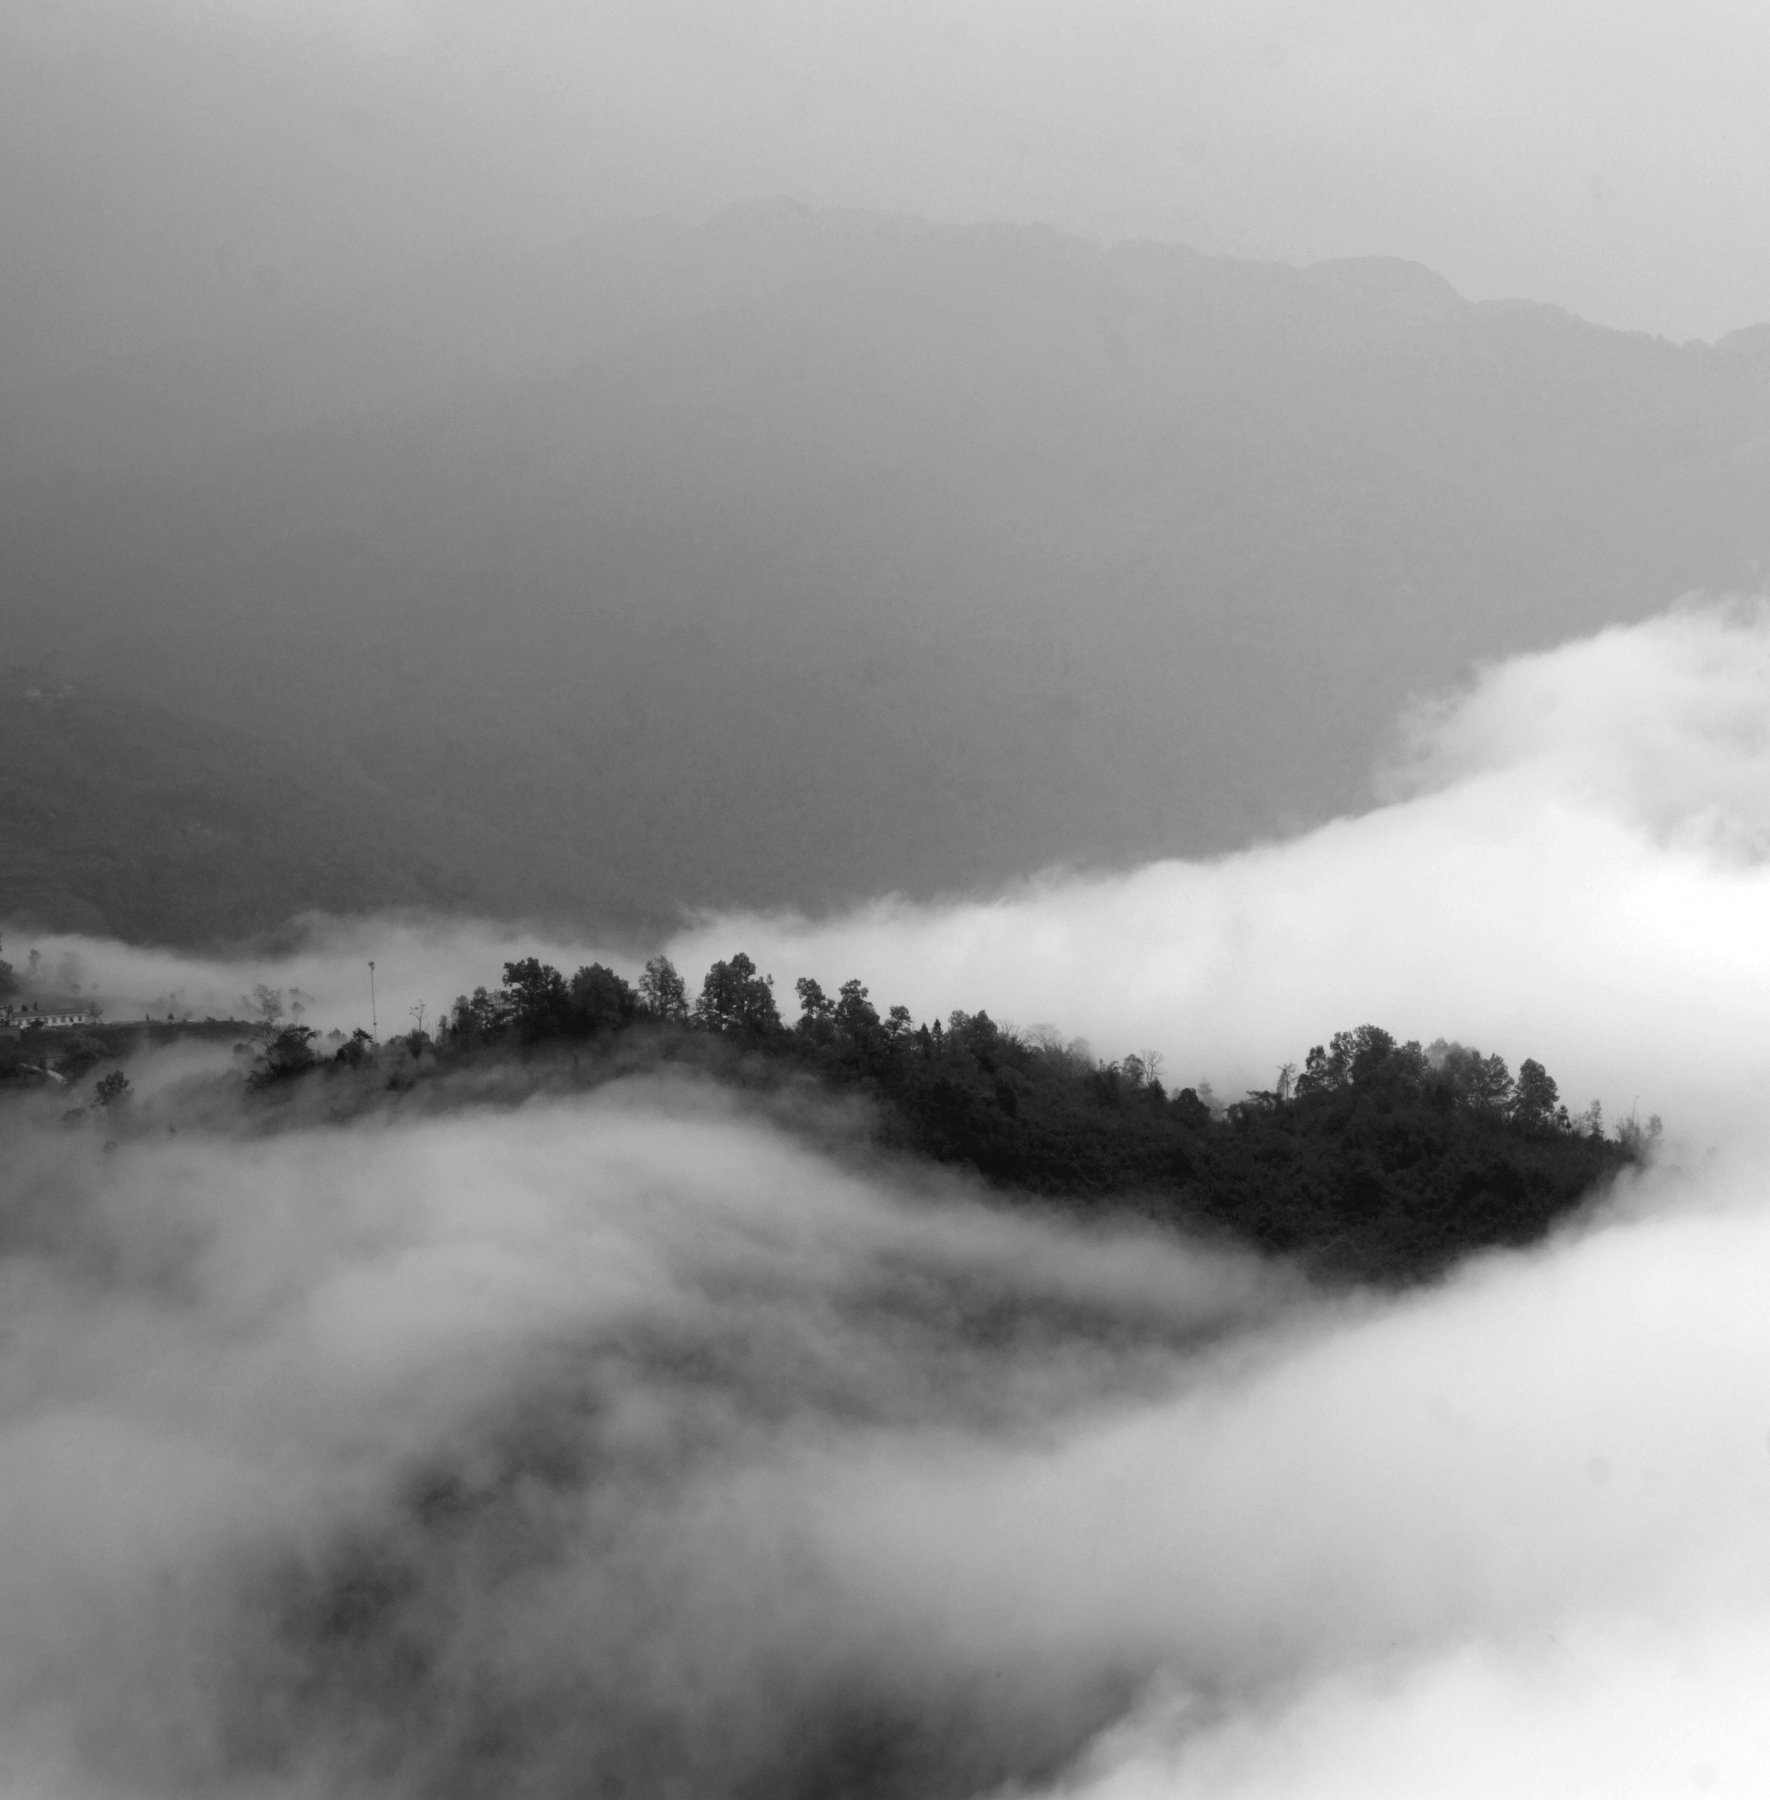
(653, 1424)
(948, 988)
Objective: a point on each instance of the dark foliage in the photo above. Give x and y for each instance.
(112, 1089)
(77, 1054)
(736, 1001)
(536, 1003)
(286, 1055)
(357, 1050)
(662, 991)
(1382, 1161)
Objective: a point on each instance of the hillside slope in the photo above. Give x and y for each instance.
(802, 556)
(118, 817)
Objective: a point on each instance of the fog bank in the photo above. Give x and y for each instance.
(626, 1443)
(323, 963)
(451, 1458)
(1570, 866)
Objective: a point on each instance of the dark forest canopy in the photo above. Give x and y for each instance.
(1380, 1161)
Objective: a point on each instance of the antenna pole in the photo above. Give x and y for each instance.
(374, 1025)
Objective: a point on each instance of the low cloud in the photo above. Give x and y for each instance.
(323, 965)
(627, 1444)
(462, 1457)
(1570, 865)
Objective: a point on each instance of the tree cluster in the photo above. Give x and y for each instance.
(536, 1002)
(1380, 1160)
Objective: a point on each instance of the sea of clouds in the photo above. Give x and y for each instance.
(1569, 863)
(631, 1445)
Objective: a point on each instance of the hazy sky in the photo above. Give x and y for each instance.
(170, 166)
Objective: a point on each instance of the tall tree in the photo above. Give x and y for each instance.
(736, 1000)
(856, 1017)
(601, 1000)
(539, 1002)
(662, 992)
(1536, 1098)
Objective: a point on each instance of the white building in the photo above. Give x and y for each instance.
(23, 1018)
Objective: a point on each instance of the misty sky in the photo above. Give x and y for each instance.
(177, 167)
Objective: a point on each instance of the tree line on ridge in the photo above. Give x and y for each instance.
(1378, 1160)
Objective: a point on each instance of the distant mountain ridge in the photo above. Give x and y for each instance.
(803, 556)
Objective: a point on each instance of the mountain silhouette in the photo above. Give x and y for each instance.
(801, 556)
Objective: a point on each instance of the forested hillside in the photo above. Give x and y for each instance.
(804, 556)
(1379, 1161)
(118, 817)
